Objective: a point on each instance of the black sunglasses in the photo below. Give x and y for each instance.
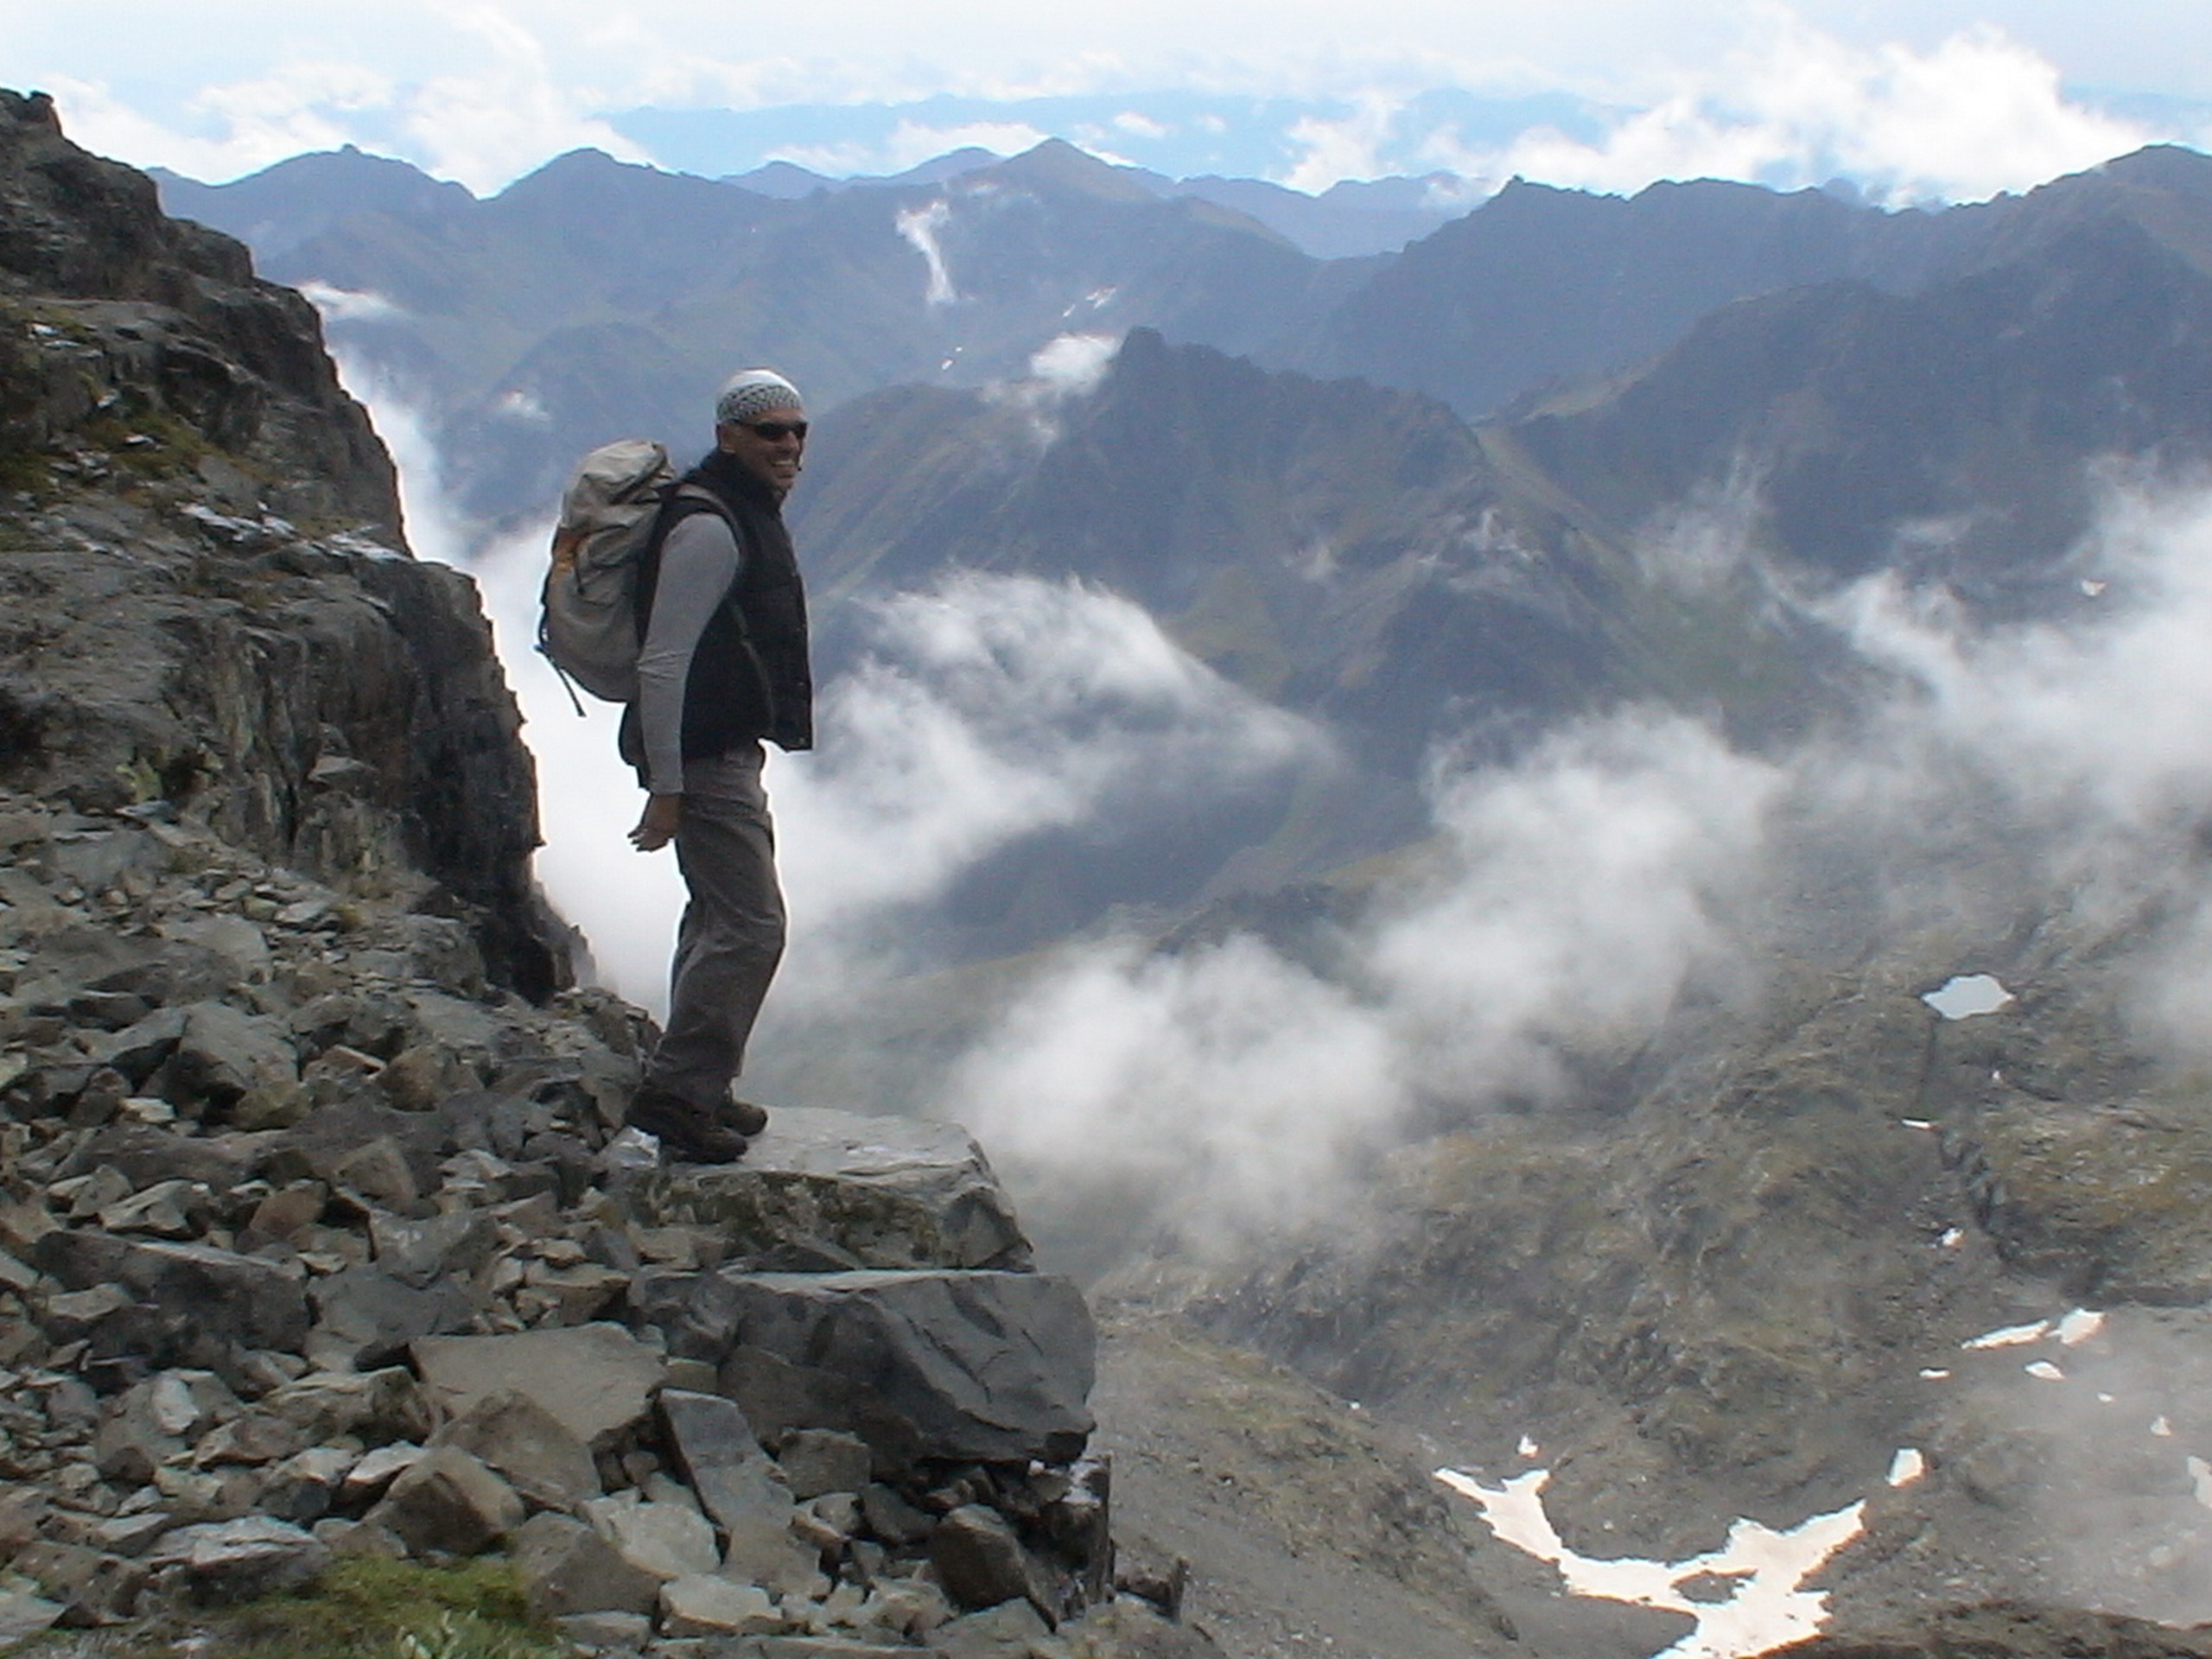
(776, 431)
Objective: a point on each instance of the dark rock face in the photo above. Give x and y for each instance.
(989, 1367)
(172, 311)
(203, 600)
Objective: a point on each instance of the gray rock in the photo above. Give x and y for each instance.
(605, 1632)
(366, 1315)
(374, 1407)
(670, 1541)
(567, 1568)
(824, 1189)
(138, 1050)
(95, 1588)
(154, 1422)
(448, 1500)
(303, 1488)
(1128, 1629)
(207, 1299)
(980, 1563)
(129, 1534)
(223, 1054)
(419, 1252)
(709, 1604)
(819, 1460)
(146, 1152)
(166, 1209)
(514, 1434)
(892, 1518)
(1012, 1630)
(969, 1367)
(824, 1647)
(596, 1379)
(236, 1561)
(378, 1470)
(23, 1616)
(739, 1486)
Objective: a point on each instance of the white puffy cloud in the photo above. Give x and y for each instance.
(990, 706)
(1573, 902)
(1930, 99)
(225, 129)
(350, 304)
(1349, 148)
(1977, 114)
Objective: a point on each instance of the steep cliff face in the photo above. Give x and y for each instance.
(205, 601)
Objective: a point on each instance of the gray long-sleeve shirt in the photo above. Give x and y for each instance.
(698, 563)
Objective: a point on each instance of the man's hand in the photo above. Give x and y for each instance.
(658, 827)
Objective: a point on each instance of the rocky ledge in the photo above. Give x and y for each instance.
(313, 1243)
(204, 596)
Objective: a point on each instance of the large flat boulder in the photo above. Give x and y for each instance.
(834, 1190)
(596, 1380)
(982, 1367)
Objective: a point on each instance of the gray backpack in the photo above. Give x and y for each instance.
(588, 617)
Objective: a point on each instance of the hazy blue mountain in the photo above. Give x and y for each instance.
(1349, 550)
(1954, 430)
(1540, 284)
(1363, 555)
(787, 181)
(592, 292)
(1350, 219)
(1175, 134)
(277, 209)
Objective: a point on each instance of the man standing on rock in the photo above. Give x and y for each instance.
(722, 667)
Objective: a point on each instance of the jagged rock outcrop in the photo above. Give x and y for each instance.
(311, 1244)
(315, 1239)
(207, 601)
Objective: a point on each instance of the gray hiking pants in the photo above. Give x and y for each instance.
(732, 934)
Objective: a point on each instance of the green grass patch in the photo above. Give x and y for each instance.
(361, 1610)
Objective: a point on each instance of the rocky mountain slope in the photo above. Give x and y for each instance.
(319, 1243)
(204, 600)
(1800, 1253)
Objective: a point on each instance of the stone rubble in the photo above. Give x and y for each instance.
(312, 1245)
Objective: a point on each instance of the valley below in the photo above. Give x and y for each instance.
(1451, 897)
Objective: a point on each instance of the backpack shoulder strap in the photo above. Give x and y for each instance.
(679, 501)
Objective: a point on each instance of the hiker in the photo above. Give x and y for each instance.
(721, 667)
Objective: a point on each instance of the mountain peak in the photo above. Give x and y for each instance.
(1058, 165)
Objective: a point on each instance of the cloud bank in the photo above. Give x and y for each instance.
(1574, 903)
(487, 92)
(1977, 115)
(1565, 908)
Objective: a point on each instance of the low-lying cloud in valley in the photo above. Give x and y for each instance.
(1572, 903)
(1565, 910)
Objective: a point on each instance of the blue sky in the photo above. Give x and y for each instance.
(1935, 98)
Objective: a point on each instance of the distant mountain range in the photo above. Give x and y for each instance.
(593, 299)
(1412, 495)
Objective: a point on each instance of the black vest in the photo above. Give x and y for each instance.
(750, 677)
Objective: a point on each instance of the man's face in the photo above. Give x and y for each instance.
(767, 445)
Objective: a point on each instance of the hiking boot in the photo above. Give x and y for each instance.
(744, 1116)
(688, 1133)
